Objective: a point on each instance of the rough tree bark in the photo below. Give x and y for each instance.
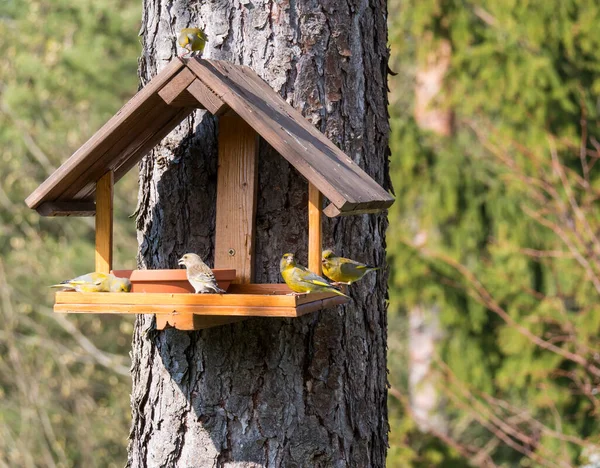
(267, 392)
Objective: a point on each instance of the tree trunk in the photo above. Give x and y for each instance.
(425, 333)
(267, 392)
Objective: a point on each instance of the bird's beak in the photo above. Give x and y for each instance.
(323, 261)
(180, 262)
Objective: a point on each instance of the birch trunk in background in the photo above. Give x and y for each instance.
(267, 392)
(429, 113)
(424, 328)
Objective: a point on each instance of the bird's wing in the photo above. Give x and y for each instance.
(312, 278)
(90, 278)
(200, 273)
(183, 38)
(349, 266)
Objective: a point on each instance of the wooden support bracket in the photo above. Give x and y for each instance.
(104, 222)
(205, 96)
(192, 321)
(175, 91)
(72, 208)
(315, 236)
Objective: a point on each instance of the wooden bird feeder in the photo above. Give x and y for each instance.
(247, 108)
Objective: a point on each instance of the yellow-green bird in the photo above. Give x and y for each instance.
(192, 40)
(95, 282)
(343, 270)
(301, 279)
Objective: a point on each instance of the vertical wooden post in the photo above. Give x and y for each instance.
(315, 241)
(236, 197)
(104, 222)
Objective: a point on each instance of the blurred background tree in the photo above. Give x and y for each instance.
(495, 229)
(64, 381)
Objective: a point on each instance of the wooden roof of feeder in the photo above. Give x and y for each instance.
(217, 86)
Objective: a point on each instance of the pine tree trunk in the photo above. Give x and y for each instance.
(267, 392)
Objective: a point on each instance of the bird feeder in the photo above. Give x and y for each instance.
(247, 108)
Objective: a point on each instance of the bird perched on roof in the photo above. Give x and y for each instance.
(301, 280)
(95, 282)
(343, 270)
(199, 275)
(192, 39)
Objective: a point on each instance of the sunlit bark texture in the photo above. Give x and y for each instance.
(267, 392)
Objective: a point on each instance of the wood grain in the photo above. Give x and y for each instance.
(236, 197)
(220, 86)
(125, 143)
(209, 100)
(192, 321)
(335, 174)
(315, 236)
(236, 298)
(232, 310)
(104, 223)
(172, 91)
(70, 172)
(72, 208)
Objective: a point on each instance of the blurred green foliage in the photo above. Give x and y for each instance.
(64, 383)
(523, 77)
(520, 71)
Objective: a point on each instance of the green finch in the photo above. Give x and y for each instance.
(199, 275)
(343, 270)
(95, 282)
(301, 279)
(192, 39)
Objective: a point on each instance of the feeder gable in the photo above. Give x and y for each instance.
(219, 87)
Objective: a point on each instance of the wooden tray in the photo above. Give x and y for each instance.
(194, 311)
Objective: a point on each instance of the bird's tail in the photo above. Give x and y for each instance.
(217, 289)
(338, 292)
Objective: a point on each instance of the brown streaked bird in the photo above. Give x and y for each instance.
(200, 275)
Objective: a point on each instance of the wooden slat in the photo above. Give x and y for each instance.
(331, 211)
(131, 155)
(70, 172)
(147, 299)
(264, 289)
(337, 176)
(137, 151)
(178, 84)
(232, 299)
(72, 208)
(156, 138)
(246, 311)
(104, 223)
(209, 100)
(236, 197)
(192, 321)
(315, 242)
(126, 143)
